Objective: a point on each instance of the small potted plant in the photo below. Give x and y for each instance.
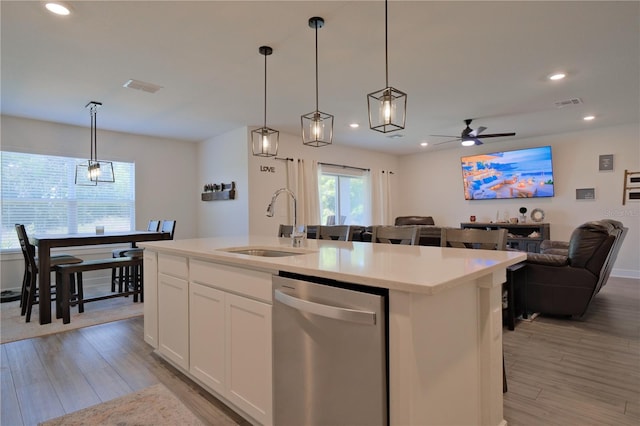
(523, 214)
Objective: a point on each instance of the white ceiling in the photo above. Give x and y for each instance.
(482, 60)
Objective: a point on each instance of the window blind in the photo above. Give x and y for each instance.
(39, 192)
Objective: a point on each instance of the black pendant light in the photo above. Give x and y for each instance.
(264, 141)
(387, 107)
(94, 170)
(317, 126)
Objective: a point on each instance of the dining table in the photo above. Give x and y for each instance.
(45, 242)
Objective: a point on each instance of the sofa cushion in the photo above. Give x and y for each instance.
(547, 259)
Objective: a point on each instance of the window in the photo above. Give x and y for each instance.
(39, 191)
(344, 195)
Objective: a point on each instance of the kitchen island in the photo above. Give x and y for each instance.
(208, 312)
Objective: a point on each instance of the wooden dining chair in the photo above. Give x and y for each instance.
(29, 296)
(494, 239)
(56, 258)
(117, 277)
(335, 232)
(407, 235)
(168, 226)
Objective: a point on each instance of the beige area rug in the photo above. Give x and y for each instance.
(153, 406)
(13, 326)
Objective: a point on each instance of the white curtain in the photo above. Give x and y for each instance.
(381, 208)
(302, 179)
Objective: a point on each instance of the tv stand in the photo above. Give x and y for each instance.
(517, 233)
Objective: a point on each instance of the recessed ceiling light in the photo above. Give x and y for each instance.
(557, 76)
(59, 8)
(424, 143)
(589, 117)
(354, 125)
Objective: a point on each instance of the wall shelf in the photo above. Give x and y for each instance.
(215, 192)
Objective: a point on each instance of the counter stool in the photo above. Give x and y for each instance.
(153, 226)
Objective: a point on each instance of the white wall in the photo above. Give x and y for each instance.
(264, 184)
(166, 185)
(432, 186)
(223, 159)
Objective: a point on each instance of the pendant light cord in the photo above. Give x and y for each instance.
(316, 25)
(265, 92)
(386, 44)
(94, 144)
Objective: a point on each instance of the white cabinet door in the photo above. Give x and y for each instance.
(206, 334)
(248, 356)
(151, 298)
(173, 319)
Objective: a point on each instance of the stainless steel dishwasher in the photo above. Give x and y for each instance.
(330, 353)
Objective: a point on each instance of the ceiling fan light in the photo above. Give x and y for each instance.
(468, 142)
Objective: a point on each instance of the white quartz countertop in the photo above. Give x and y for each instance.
(416, 269)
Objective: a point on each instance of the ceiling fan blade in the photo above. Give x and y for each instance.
(452, 140)
(496, 135)
(444, 136)
(477, 131)
(477, 141)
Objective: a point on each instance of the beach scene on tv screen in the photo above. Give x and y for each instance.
(525, 173)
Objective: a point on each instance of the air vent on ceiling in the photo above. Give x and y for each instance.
(142, 85)
(568, 102)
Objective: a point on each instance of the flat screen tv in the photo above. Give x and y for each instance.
(522, 173)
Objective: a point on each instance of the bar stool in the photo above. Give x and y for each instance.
(153, 226)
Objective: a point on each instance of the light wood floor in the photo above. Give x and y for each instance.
(560, 372)
(578, 372)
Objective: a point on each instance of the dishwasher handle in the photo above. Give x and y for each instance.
(328, 311)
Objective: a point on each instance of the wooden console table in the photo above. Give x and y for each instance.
(518, 233)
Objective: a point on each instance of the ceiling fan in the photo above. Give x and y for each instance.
(471, 137)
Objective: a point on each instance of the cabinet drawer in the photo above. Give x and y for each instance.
(175, 266)
(246, 282)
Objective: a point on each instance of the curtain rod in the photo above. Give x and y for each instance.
(344, 167)
(284, 159)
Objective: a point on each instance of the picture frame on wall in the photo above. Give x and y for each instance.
(605, 163)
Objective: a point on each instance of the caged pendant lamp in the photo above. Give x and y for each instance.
(317, 126)
(264, 141)
(387, 107)
(94, 170)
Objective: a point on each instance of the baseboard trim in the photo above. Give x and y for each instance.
(625, 273)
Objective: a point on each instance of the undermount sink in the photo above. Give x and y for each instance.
(263, 252)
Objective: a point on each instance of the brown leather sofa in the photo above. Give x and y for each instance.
(564, 278)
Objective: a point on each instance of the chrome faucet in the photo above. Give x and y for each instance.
(296, 236)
